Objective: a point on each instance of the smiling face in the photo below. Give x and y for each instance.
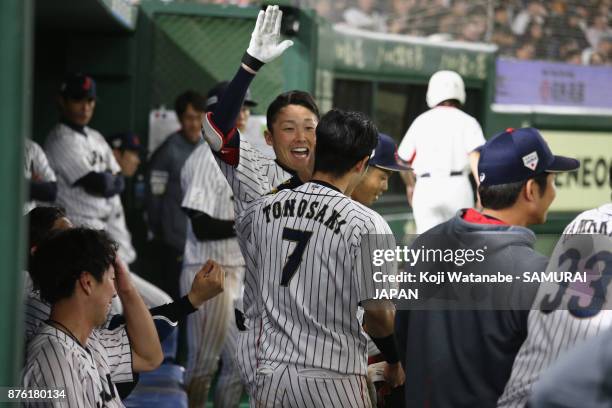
(292, 136)
(371, 186)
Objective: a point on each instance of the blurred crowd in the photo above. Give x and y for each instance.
(573, 31)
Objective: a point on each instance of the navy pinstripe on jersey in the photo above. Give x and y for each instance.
(304, 265)
(56, 360)
(254, 176)
(550, 334)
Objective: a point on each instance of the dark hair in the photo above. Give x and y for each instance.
(60, 260)
(343, 138)
(192, 98)
(504, 196)
(41, 220)
(290, 98)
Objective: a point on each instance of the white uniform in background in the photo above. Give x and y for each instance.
(73, 155)
(437, 146)
(211, 330)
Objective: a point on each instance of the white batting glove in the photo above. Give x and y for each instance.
(265, 46)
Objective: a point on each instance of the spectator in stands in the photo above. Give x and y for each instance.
(574, 57)
(598, 28)
(525, 51)
(535, 11)
(535, 35)
(399, 16)
(573, 30)
(365, 16)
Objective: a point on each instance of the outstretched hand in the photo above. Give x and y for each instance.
(265, 44)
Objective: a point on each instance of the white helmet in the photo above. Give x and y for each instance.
(444, 85)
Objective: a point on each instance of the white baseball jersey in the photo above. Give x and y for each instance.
(254, 176)
(73, 155)
(438, 144)
(117, 228)
(116, 340)
(206, 190)
(586, 245)
(36, 167)
(57, 360)
(310, 248)
(439, 141)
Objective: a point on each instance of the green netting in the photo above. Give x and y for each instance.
(198, 51)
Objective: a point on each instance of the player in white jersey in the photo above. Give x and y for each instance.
(88, 175)
(558, 323)
(41, 177)
(291, 121)
(441, 146)
(76, 271)
(309, 249)
(212, 331)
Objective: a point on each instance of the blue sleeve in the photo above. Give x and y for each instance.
(43, 190)
(102, 184)
(228, 108)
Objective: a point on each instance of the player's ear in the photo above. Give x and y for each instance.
(86, 282)
(531, 191)
(362, 165)
(268, 137)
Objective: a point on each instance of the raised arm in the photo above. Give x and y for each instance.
(146, 349)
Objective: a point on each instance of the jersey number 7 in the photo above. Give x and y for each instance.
(301, 238)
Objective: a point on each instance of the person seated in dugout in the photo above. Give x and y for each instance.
(45, 221)
(78, 273)
(461, 354)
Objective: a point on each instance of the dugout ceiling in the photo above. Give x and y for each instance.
(86, 15)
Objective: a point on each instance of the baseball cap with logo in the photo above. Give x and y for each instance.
(125, 141)
(215, 93)
(78, 86)
(385, 155)
(517, 155)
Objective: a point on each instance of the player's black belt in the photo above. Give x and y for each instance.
(452, 173)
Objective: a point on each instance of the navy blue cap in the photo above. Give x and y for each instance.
(215, 93)
(385, 155)
(78, 86)
(125, 141)
(518, 155)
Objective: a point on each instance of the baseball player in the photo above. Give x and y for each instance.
(555, 329)
(167, 220)
(308, 248)
(380, 167)
(66, 352)
(462, 357)
(440, 146)
(208, 201)
(88, 176)
(291, 120)
(206, 284)
(41, 177)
